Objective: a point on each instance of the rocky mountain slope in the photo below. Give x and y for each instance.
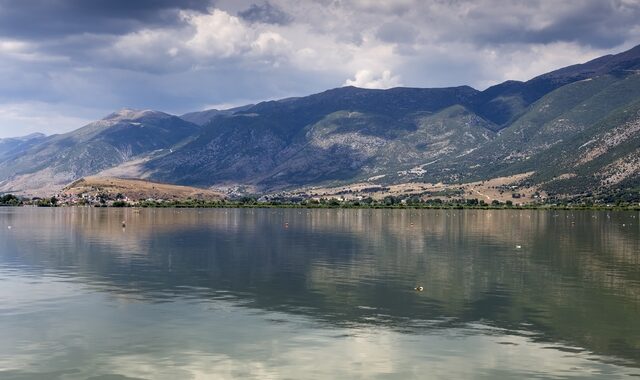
(339, 134)
(575, 128)
(404, 134)
(17, 145)
(554, 135)
(57, 160)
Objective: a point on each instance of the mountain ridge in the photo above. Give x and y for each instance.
(351, 134)
(115, 139)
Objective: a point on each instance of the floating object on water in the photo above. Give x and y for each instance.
(124, 224)
(418, 288)
(9, 227)
(518, 246)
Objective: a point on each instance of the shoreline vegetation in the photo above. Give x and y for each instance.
(331, 203)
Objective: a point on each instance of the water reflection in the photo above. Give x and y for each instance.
(267, 293)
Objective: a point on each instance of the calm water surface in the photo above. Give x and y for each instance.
(190, 294)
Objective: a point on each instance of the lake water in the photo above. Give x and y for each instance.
(249, 293)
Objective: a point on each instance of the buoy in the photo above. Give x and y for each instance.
(9, 227)
(418, 288)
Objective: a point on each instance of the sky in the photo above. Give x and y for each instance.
(64, 63)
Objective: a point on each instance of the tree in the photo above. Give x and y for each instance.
(390, 200)
(414, 200)
(9, 200)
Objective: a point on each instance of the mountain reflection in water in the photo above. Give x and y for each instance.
(318, 293)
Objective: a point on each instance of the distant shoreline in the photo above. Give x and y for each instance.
(348, 207)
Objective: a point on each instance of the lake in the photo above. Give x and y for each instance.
(296, 293)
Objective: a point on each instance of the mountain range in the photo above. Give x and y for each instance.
(577, 129)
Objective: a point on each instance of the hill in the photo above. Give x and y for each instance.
(135, 189)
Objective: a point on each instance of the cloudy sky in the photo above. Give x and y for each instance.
(64, 63)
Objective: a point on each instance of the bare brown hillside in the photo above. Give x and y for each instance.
(137, 189)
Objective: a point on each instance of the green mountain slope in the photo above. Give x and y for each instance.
(544, 138)
(604, 157)
(505, 102)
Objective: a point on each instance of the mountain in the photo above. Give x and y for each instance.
(574, 139)
(454, 134)
(16, 145)
(576, 130)
(203, 117)
(122, 136)
(507, 101)
(339, 134)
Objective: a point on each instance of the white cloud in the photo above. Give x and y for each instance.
(25, 52)
(370, 79)
(207, 40)
(218, 34)
(270, 44)
(215, 56)
(142, 50)
(538, 59)
(386, 6)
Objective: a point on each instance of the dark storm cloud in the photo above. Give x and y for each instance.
(46, 19)
(598, 23)
(93, 56)
(397, 32)
(595, 23)
(266, 13)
